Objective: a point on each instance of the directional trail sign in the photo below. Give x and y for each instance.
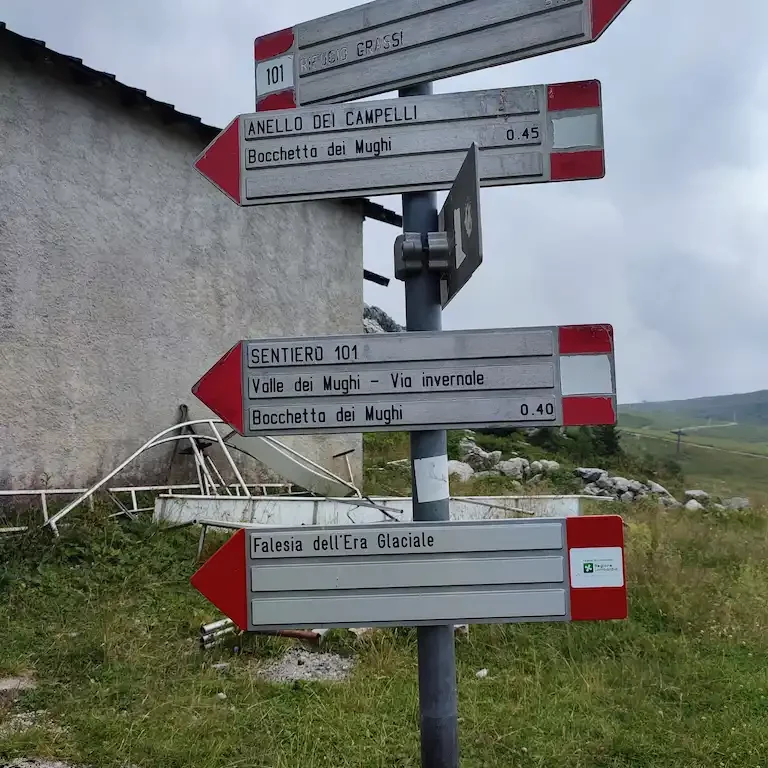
(539, 133)
(460, 218)
(532, 377)
(387, 44)
(396, 574)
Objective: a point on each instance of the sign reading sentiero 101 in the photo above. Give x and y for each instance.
(492, 571)
(548, 377)
(527, 135)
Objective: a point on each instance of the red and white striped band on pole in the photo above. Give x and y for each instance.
(586, 375)
(275, 48)
(564, 102)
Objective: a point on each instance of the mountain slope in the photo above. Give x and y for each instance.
(747, 408)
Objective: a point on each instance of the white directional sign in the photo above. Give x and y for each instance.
(414, 381)
(526, 135)
(392, 574)
(387, 44)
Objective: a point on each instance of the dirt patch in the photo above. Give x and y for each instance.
(11, 687)
(26, 762)
(23, 721)
(303, 664)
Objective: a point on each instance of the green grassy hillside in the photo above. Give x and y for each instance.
(105, 620)
(747, 408)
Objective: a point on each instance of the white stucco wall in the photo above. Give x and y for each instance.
(124, 275)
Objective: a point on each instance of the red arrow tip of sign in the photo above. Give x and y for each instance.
(222, 580)
(220, 161)
(221, 389)
(604, 13)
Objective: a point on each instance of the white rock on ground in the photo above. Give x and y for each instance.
(701, 496)
(736, 503)
(536, 467)
(480, 460)
(548, 467)
(462, 470)
(516, 468)
(659, 490)
(589, 474)
(694, 506)
(621, 484)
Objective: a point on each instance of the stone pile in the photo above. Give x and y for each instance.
(475, 462)
(598, 482)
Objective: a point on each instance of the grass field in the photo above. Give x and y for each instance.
(723, 472)
(106, 622)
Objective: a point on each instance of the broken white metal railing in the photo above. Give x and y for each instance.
(207, 473)
(205, 478)
(44, 496)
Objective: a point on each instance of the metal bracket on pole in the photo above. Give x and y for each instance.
(414, 252)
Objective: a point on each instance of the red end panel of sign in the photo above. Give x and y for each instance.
(604, 13)
(221, 389)
(269, 46)
(584, 94)
(222, 580)
(587, 411)
(281, 100)
(575, 166)
(586, 339)
(220, 161)
(591, 534)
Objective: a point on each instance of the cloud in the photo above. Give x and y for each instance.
(670, 247)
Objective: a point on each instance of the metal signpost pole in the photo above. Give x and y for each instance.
(438, 700)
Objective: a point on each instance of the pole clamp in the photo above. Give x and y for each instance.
(415, 252)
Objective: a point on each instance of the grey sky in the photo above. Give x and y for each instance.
(671, 247)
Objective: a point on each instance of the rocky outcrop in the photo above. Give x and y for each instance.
(461, 470)
(475, 462)
(376, 320)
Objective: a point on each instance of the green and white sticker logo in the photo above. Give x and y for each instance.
(597, 567)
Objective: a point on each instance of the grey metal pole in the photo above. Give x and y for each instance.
(438, 700)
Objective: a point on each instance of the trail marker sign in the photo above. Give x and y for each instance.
(388, 44)
(460, 218)
(531, 377)
(526, 135)
(398, 574)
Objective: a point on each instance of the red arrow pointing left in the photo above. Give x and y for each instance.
(220, 161)
(221, 389)
(221, 579)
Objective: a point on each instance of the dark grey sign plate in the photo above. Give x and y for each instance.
(460, 219)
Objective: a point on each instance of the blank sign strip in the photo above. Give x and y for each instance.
(447, 607)
(447, 572)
